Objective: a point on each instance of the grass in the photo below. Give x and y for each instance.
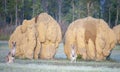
(117, 47)
(79, 57)
(4, 37)
(59, 64)
(52, 66)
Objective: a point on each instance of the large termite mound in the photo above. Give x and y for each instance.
(116, 30)
(37, 38)
(92, 37)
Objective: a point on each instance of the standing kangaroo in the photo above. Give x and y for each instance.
(11, 54)
(73, 54)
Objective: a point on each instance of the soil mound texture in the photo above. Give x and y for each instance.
(37, 38)
(92, 37)
(116, 30)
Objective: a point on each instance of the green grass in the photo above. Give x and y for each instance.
(56, 65)
(79, 57)
(117, 47)
(4, 37)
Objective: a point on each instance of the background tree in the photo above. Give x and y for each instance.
(59, 10)
(117, 11)
(13, 12)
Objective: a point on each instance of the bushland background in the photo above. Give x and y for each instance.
(13, 12)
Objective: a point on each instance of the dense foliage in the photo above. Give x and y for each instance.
(13, 12)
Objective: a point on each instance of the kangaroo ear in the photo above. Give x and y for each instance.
(14, 43)
(72, 46)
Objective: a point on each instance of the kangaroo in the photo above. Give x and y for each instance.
(73, 54)
(11, 54)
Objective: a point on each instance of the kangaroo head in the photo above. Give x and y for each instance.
(14, 43)
(73, 47)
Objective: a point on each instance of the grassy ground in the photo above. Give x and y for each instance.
(4, 37)
(59, 64)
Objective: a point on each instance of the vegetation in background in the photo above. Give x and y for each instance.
(4, 37)
(13, 12)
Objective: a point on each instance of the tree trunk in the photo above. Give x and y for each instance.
(16, 14)
(117, 14)
(102, 7)
(45, 5)
(73, 8)
(23, 10)
(56, 17)
(88, 7)
(109, 21)
(5, 4)
(33, 8)
(59, 10)
(5, 7)
(11, 22)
